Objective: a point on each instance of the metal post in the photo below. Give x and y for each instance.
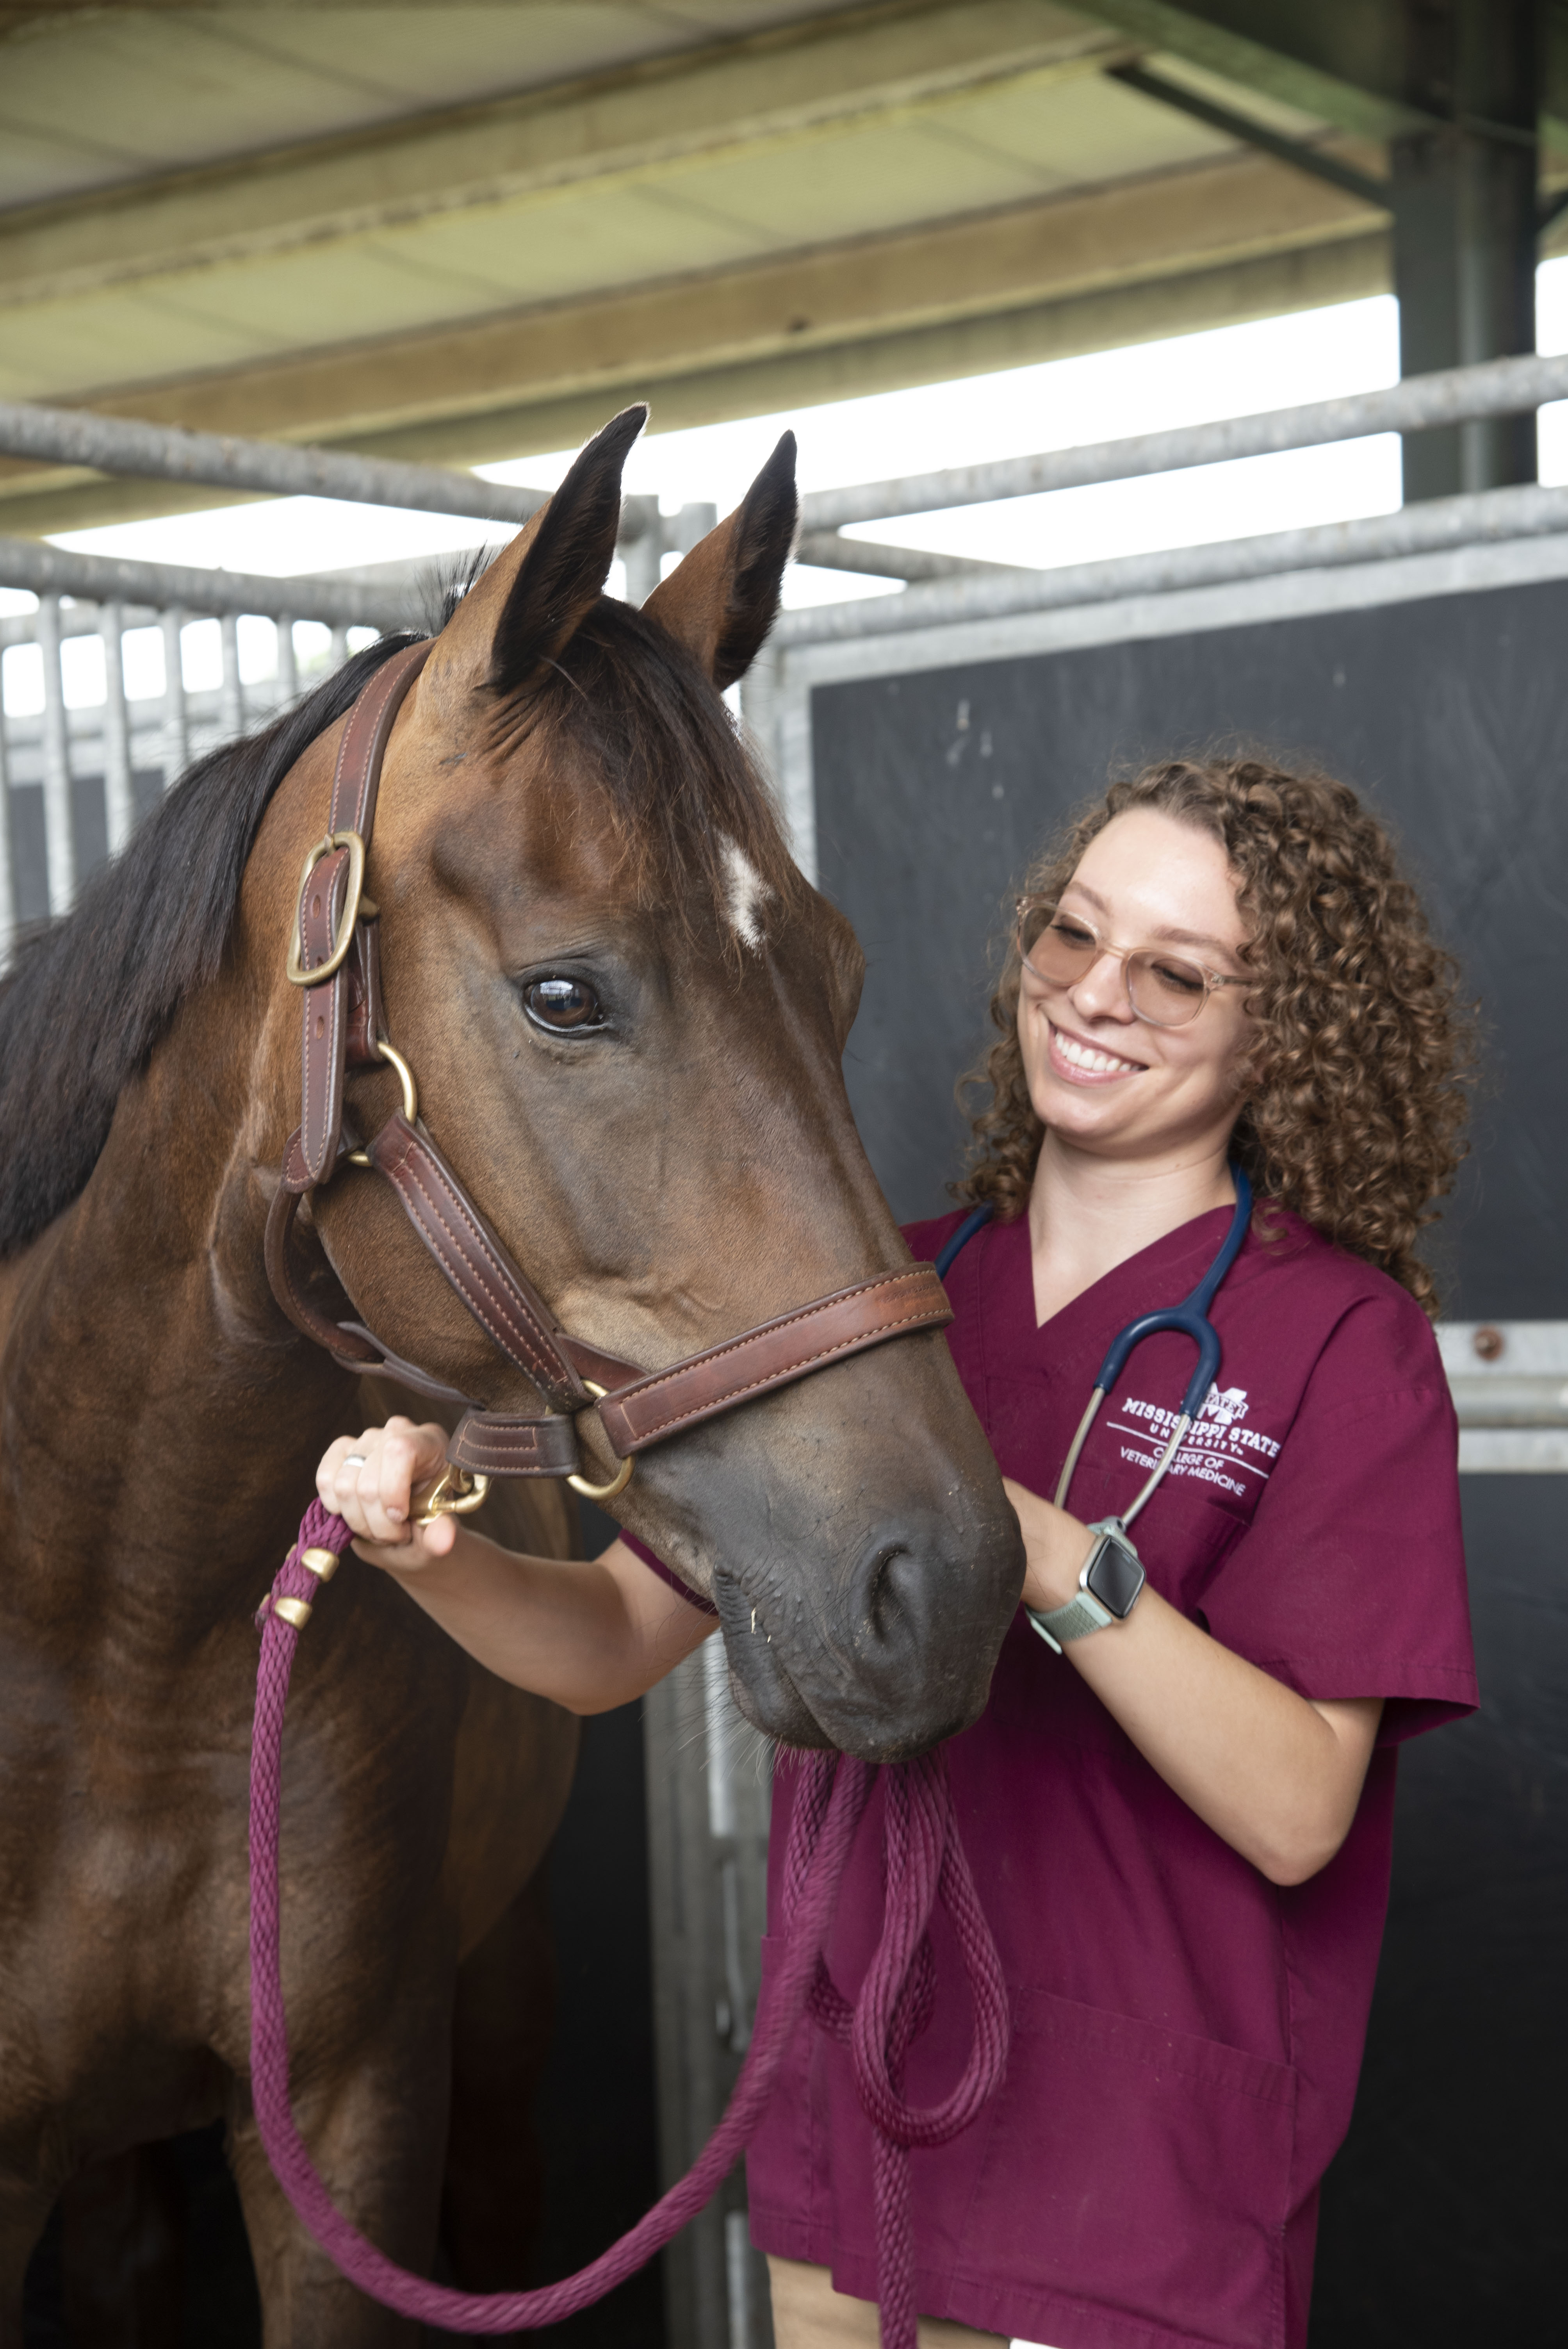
(120, 805)
(58, 836)
(708, 1846)
(340, 652)
(1465, 226)
(176, 730)
(288, 673)
(231, 704)
(642, 554)
(7, 888)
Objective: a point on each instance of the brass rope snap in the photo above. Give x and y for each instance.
(456, 1493)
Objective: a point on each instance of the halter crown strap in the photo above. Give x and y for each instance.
(344, 998)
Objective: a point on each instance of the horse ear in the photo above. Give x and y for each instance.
(722, 600)
(565, 557)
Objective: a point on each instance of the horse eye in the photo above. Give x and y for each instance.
(562, 1005)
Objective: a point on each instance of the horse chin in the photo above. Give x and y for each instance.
(771, 1700)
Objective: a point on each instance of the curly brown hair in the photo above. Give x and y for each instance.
(1354, 1092)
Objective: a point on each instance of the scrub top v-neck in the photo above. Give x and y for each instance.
(1186, 2034)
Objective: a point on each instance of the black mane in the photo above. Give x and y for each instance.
(90, 995)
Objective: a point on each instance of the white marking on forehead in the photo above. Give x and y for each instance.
(744, 892)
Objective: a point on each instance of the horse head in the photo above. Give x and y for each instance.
(626, 1009)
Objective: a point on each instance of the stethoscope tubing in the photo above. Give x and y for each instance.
(1189, 1319)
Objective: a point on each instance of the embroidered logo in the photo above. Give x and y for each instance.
(1216, 1450)
(1226, 1408)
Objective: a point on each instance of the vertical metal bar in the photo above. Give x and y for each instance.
(230, 702)
(58, 839)
(287, 669)
(642, 554)
(1465, 226)
(176, 725)
(120, 804)
(694, 2069)
(7, 887)
(340, 647)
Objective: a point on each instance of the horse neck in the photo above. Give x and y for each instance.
(169, 1420)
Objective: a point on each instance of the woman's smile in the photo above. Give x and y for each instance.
(1081, 1062)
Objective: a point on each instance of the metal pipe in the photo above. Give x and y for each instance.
(107, 579)
(231, 706)
(1451, 396)
(120, 805)
(1434, 527)
(7, 885)
(121, 444)
(1511, 1401)
(826, 549)
(59, 845)
(176, 728)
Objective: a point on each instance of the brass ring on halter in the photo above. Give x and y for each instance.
(354, 904)
(394, 1058)
(456, 1493)
(617, 1483)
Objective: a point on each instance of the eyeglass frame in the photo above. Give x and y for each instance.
(1213, 980)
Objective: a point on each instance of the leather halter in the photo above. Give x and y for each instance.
(334, 958)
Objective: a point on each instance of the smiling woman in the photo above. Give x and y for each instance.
(1177, 1801)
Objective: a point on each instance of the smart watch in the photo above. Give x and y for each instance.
(1108, 1584)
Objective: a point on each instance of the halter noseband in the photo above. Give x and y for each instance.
(334, 957)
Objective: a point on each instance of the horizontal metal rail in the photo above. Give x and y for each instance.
(107, 579)
(1516, 1402)
(1421, 403)
(1433, 527)
(163, 453)
(828, 551)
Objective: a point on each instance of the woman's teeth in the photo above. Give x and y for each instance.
(1084, 1056)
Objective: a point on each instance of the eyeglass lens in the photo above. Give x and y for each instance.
(1061, 946)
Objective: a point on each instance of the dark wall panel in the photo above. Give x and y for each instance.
(1443, 2221)
(1450, 717)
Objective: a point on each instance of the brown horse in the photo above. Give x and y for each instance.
(626, 1010)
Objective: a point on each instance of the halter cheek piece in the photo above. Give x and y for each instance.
(334, 958)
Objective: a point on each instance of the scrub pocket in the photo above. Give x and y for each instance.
(1140, 2171)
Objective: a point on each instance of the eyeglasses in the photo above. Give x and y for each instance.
(1164, 990)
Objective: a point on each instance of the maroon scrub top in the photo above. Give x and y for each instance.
(1186, 2035)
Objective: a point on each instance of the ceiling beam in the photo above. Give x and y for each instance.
(1203, 246)
(1340, 60)
(772, 89)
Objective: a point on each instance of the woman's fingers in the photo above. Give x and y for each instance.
(369, 1481)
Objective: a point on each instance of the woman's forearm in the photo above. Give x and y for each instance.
(1276, 1775)
(566, 1629)
(591, 1633)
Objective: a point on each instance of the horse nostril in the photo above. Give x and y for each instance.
(883, 1601)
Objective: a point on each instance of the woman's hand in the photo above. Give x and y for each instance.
(370, 1481)
(1055, 1548)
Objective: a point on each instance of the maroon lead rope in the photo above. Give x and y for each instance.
(924, 1861)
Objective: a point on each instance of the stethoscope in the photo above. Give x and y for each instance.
(1191, 1318)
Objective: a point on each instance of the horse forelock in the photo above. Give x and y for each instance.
(651, 748)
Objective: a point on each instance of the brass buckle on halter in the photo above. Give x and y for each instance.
(456, 1493)
(617, 1483)
(355, 905)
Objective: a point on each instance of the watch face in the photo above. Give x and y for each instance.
(1115, 1578)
